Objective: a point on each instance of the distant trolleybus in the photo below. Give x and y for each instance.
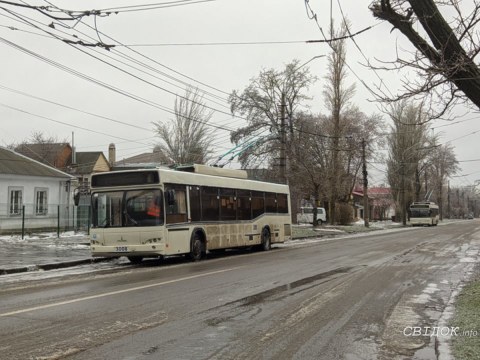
(161, 212)
(423, 213)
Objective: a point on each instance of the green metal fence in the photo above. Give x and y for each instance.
(28, 218)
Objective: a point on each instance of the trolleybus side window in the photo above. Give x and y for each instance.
(176, 203)
(210, 204)
(244, 205)
(258, 204)
(228, 204)
(270, 202)
(195, 205)
(282, 203)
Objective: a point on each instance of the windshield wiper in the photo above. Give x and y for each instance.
(130, 219)
(105, 223)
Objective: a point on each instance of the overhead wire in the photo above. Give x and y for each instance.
(2, 87)
(137, 61)
(164, 74)
(352, 38)
(135, 8)
(97, 82)
(64, 123)
(315, 18)
(155, 61)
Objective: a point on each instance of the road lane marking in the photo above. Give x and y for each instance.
(46, 306)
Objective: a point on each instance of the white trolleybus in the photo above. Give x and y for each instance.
(423, 213)
(161, 212)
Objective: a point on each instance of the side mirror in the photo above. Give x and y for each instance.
(76, 197)
(171, 197)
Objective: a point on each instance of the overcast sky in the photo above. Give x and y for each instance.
(126, 89)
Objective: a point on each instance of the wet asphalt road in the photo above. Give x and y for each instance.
(339, 299)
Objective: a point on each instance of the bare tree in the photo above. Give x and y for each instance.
(338, 101)
(187, 139)
(445, 49)
(43, 148)
(409, 145)
(311, 154)
(308, 162)
(443, 163)
(269, 97)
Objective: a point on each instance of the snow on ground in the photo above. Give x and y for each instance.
(16, 238)
(42, 248)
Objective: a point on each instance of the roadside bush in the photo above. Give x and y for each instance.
(344, 214)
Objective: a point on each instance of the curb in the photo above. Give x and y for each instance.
(52, 266)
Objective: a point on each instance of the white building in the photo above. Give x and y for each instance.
(32, 194)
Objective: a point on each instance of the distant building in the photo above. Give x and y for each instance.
(155, 158)
(57, 155)
(86, 164)
(33, 192)
(381, 203)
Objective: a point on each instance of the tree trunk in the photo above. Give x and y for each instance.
(448, 56)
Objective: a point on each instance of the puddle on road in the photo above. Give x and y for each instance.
(265, 295)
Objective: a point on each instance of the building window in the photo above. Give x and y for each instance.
(15, 201)
(41, 203)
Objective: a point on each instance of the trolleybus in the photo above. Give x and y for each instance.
(162, 212)
(423, 213)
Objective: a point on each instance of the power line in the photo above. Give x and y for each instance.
(64, 123)
(287, 42)
(95, 44)
(153, 6)
(129, 58)
(153, 60)
(136, 76)
(72, 108)
(133, 8)
(98, 82)
(313, 16)
(351, 37)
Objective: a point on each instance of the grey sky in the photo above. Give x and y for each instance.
(223, 67)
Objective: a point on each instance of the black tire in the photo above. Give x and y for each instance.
(320, 222)
(135, 259)
(196, 248)
(266, 240)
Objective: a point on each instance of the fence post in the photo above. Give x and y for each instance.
(89, 217)
(23, 221)
(58, 221)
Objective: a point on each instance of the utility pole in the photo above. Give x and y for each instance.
(448, 200)
(366, 210)
(283, 160)
(402, 199)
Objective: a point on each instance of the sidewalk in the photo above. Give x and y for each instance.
(43, 252)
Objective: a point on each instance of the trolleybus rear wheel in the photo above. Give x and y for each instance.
(196, 252)
(266, 239)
